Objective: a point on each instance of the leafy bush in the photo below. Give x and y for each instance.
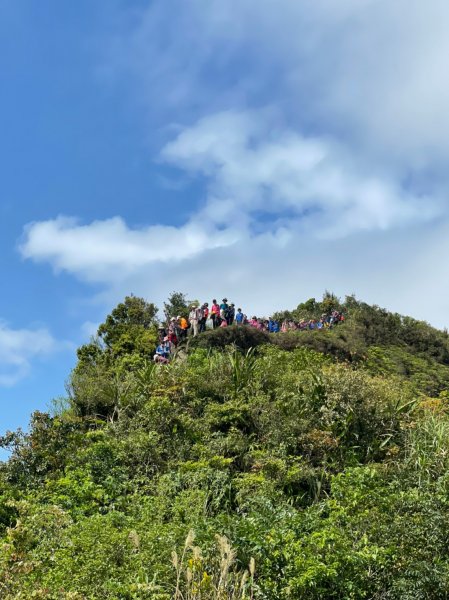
(243, 338)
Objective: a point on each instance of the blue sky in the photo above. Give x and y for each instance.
(266, 150)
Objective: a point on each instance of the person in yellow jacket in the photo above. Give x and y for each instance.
(182, 327)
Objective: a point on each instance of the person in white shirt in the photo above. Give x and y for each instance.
(195, 315)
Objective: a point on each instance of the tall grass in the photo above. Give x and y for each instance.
(214, 579)
(427, 448)
(242, 368)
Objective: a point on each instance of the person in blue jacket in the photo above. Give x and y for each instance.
(163, 351)
(273, 326)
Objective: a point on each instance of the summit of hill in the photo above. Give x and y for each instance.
(253, 464)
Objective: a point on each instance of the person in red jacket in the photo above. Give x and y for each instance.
(172, 328)
(215, 313)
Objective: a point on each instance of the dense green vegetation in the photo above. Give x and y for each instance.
(301, 465)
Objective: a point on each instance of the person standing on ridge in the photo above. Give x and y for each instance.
(239, 317)
(183, 326)
(253, 321)
(224, 309)
(214, 313)
(230, 314)
(173, 338)
(273, 325)
(204, 317)
(194, 318)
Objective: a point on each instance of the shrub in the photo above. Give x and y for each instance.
(243, 338)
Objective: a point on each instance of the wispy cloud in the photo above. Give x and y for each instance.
(254, 164)
(373, 71)
(18, 347)
(261, 180)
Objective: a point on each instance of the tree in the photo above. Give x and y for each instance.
(330, 302)
(133, 313)
(177, 304)
(125, 343)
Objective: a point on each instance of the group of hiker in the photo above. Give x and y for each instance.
(327, 321)
(224, 314)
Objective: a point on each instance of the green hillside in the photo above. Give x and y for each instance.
(306, 464)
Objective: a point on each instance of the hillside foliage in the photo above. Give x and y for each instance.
(284, 466)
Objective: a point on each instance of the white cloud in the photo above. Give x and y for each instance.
(282, 208)
(390, 268)
(18, 347)
(341, 186)
(401, 269)
(255, 166)
(261, 180)
(104, 251)
(373, 70)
